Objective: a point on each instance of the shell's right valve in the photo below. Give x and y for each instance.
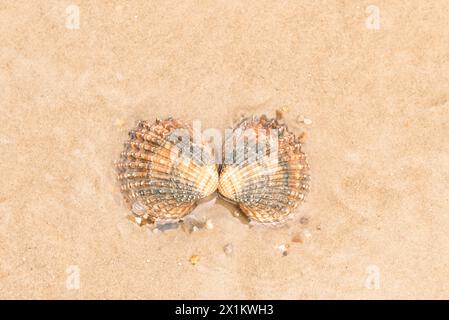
(264, 170)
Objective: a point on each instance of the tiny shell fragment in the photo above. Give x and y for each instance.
(297, 238)
(304, 220)
(209, 224)
(307, 121)
(194, 259)
(283, 248)
(307, 233)
(228, 249)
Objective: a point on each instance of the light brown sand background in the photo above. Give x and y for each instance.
(377, 147)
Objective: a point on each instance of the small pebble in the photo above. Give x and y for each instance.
(236, 213)
(285, 109)
(147, 261)
(194, 259)
(302, 119)
(209, 224)
(297, 238)
(283, 248)
(307, 233)
(303, 137)
(304, 220)
(228, 249)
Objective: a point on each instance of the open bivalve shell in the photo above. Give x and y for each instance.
(266, 171)
(163, 173)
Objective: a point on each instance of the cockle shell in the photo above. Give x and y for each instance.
(160, 177)
(268, 188)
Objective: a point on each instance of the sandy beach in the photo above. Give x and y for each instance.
(370, 78)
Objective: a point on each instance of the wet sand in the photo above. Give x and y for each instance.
(375, 221)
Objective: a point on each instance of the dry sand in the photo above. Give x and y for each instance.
(378, 147)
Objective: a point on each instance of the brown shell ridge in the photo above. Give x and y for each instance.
(191, 171)
(159, 173)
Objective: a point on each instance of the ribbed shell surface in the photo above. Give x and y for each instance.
(159, 180)
(269, 188)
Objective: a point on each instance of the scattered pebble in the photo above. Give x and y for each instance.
(236, 213)
(228, 249)
(194, 259)
(307, 233)
(147, 261)
(304, 220)
(302, 119)
(285, 109)
(195, 229)
(297, 238)
(284, 249)
(303, 137)
(209, 224)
